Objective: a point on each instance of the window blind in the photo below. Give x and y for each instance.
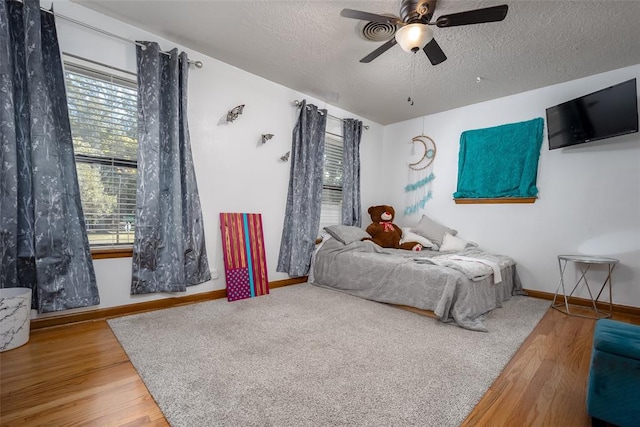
(103, 114)
(331, 212)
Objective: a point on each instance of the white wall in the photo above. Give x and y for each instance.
(235, 171)
(589, 195)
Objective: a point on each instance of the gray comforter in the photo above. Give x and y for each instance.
(427, 280)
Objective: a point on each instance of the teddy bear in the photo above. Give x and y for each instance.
(384, 232)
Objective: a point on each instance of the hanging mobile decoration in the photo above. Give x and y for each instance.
(418, 191)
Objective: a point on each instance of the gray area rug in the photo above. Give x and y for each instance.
(308, 356)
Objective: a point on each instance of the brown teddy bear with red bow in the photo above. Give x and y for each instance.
(384, 232)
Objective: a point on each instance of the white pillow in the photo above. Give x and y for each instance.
(409, 236)
(452, 243)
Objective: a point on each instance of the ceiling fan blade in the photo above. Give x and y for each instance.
(478, 16)
(379, 51)
(372, 17)
(434, 52)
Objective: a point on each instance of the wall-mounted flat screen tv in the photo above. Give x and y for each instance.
(603, 114)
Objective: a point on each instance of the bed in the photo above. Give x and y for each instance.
(458, 286)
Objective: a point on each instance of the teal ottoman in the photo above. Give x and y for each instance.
(613, 389)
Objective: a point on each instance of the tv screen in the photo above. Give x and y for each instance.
(603, 114)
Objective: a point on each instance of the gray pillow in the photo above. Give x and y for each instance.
(346, 233)
(432, 230)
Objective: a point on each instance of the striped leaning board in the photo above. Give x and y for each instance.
(245, 261)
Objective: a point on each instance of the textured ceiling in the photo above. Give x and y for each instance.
(307, 46)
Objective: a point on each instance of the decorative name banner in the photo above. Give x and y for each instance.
(420, 205)
(424, 181)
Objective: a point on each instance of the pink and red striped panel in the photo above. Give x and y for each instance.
(244, 256)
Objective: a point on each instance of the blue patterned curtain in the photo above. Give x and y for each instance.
(304, 198)
(351, 210)
(169, 251)
(43, 240)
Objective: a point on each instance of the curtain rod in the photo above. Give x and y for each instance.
(299, 103)
(197, 64)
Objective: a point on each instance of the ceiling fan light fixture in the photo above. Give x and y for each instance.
(413, 37)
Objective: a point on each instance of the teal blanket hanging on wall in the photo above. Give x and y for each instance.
(500, 161)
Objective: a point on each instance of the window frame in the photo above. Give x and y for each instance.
(98, 71)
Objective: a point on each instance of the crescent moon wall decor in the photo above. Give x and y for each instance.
(418, 189)
(429, 152)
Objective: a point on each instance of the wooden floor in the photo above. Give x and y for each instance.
(545, 383)
(79, 375)
(73, 375)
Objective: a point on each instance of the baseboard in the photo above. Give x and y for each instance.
(603, 306)
(123, 310)
(285, 282)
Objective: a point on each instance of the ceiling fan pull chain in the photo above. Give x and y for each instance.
(410, 100)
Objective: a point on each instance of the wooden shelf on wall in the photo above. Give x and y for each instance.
(495, 200)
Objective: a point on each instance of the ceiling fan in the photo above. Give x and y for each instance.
(414, 33)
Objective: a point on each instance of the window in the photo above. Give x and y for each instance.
(331, 211)
(103, 114)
